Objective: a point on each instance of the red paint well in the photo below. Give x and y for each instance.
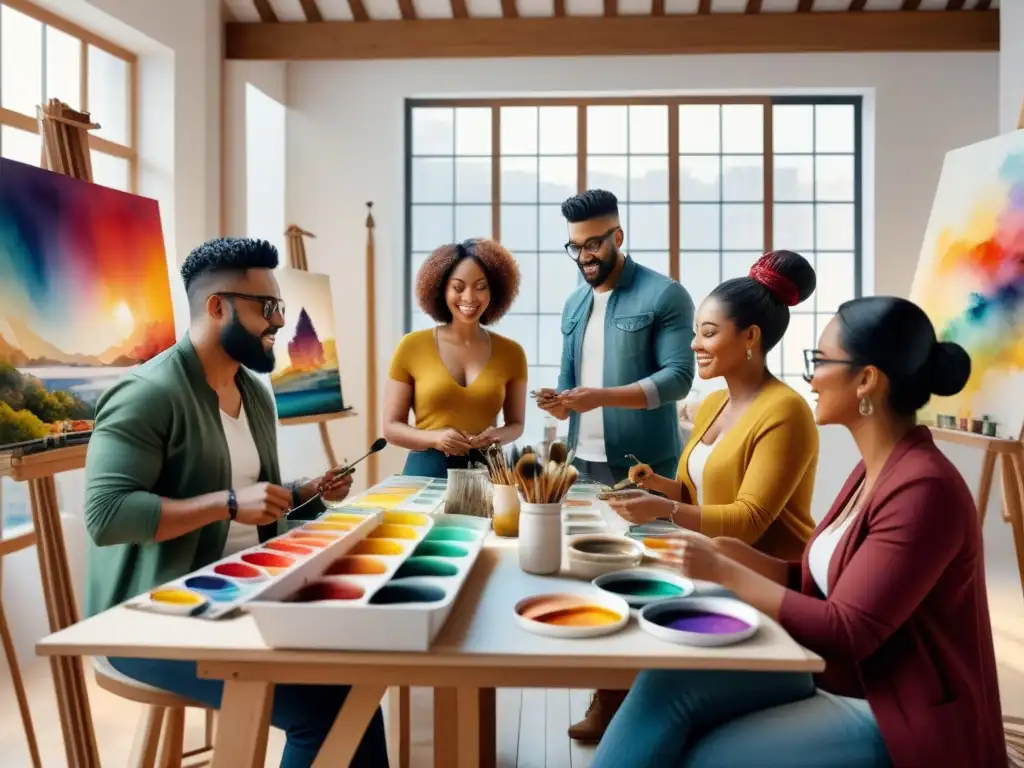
(268, 559)
(283, 546)
(237, 571)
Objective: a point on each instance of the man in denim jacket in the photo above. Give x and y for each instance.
(626, 356)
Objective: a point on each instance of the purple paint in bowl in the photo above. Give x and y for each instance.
(701, 622)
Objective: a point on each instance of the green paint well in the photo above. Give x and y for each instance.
(395, 594)
(440, 549)
(425, 566)
(637, 587)
(451, 533)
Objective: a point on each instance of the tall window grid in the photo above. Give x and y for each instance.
(43, 56)
(705, 186)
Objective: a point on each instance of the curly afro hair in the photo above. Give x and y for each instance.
(498, 265)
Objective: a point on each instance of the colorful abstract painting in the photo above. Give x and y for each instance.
(84, 296)
(970, 277)
(306, 379)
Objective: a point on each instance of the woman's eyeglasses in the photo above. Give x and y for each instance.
(271, 304)
(591, 245)
(813, 359)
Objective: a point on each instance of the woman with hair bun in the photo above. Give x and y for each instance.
(747, 471)
(890, 591)
(458, 376)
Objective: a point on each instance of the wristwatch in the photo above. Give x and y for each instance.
(232, 504)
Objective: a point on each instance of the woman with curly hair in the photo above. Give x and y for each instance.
(457, 376)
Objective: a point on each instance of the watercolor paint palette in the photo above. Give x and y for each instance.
(220, 588)
(701, 621)
(402, 493)
(391, 591)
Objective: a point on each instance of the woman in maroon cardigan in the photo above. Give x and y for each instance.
(890, 592)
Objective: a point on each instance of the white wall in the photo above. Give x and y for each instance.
(346, 146)
(1011, 64)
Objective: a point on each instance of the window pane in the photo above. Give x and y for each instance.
(16, 511)
(793, 128)
(699, 227)
(421, 322)
(550, 341)
(472, 180)
(557, 178)
(793, 227)
(519, 227)
(540, 376)
(743, 178)
(738, 264)
(561, 276)
(523, 330)
(833, 128)
(16, 144)
(742, 227)
(519, 130)
(110, 171)
(699, 177)
(794, 178)
(108, 95)
(607, 130)
(526, 302)
(836, 282)
(699, 273)
(557, 131)
(433, 131)
(656, 261)
(833, 177)
(742, 128)
(432, 225)
(415, 262)
(519, 179)
(648, 129)
(700, 128)
(63, 67)
(21, 61)
(834, 227)
(799, 336)
(647, 228)
(433, 180)
(553, 228)
(473, 131)
(648, 179)
(608, 173)
(472, 221)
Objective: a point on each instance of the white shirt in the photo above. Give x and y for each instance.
(590, 446)
(245, 471)
(695, 465)
(824, 546)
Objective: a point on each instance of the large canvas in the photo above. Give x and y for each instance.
(970, 277)
(84, 297)
(306, 379)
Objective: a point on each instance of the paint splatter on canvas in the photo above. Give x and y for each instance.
(84, 296)
(970, 276)
(306, 379)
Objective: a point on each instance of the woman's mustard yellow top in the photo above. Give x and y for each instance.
(759, 478)
(438, 400)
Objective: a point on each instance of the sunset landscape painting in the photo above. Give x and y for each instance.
(84, 297)
(306, 379)
(970, 278)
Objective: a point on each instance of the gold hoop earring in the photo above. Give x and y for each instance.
(750, 354)
(866, 408)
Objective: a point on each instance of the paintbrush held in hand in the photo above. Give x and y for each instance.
(549, 483)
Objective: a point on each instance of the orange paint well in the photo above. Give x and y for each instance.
(356, 566)
(292, 549)
(580, 616)
(377, 547)
(337, 527)
(310, 540)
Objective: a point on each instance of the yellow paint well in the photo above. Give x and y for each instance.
(393, 532)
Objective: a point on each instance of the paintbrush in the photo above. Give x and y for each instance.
(558, 452)
(527, 471)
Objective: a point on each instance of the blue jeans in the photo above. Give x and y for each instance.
(304, 712)
(719, 719)
(433, 463)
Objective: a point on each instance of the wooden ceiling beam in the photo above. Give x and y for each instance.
(910, 5)
(657, 7)
(983, 5)
(358, 11)
(621, 35)
(611, 7)
(408, 10)
(459, 9)
(753, 6)
(509, 10)
(857, 5)
(955, 5)
(805, 6)
(704, 6)
(266, 11)
(312, 11)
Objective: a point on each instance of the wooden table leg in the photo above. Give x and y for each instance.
(242, 725)
(349, 726)
(476, 740)
(487, 708)
(446, 727)
(398, 727)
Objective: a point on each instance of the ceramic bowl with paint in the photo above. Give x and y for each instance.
(177, 601)
(405, 593)
(387, 547)
(215, 587)
(357, 565)
(571, 615)
(641, 586)
(328, 590)
(434, 567)
(240, 573)
(701, 621)
(440, 549)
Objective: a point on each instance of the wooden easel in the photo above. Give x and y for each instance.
(64, 133)
(297, 260)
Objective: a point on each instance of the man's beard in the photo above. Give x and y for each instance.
(246, 348)
(605, 266)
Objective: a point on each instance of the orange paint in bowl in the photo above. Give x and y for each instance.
(292, 549)
(359, 565)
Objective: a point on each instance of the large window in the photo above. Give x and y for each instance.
(43, 57)
(705, 186)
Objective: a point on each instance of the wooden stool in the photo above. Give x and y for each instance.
(165, 714)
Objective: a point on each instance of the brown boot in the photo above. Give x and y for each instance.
(603, 706)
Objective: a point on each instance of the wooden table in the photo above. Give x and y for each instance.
(480, 648)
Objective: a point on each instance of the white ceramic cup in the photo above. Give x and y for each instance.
(540, 538)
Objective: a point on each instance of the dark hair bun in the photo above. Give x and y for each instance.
(787, 275)
(949, 368)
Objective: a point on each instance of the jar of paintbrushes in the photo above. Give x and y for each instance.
(505, 520)
(541, 488)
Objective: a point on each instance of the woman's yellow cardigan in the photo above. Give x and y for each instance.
(759, 478)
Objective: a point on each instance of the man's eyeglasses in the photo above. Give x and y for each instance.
(813, 358)
(271, 304)
(591, 245)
